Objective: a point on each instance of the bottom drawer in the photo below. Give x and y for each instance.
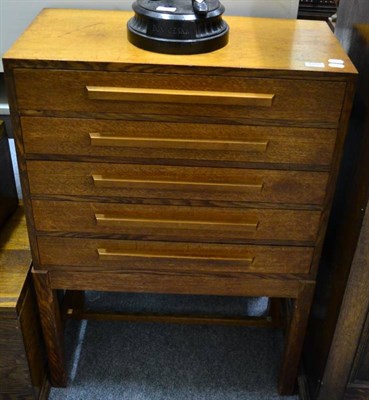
(122, 255)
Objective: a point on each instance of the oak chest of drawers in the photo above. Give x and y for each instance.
(203, 174)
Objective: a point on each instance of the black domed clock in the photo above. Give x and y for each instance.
(178, 26)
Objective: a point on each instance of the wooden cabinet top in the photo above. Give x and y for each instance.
(92, 36)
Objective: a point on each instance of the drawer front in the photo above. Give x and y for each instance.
(164, 140)
(152, 222)
(182, 183)
(171, 94)
(113, 255)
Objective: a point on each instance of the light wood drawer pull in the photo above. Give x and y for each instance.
(110, 220)
(146, 142)
(100, 181)
(179, 96)
(105, 254)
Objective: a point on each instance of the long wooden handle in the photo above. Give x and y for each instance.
(105, 254)
(101, 181)
(97, 139)
(110, 220)
(179, 96)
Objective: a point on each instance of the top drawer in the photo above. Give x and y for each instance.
(164, 94)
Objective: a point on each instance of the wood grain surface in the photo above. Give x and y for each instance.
(155, 141)
(37, 90)
(154, 222)
(14, 369)
(15, 261)
(151, 181)
(222, 284)
(290, 44)
(49, 312)
(22, 357)
(88, 255)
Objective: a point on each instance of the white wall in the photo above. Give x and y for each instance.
(15, 15)
(262, 8)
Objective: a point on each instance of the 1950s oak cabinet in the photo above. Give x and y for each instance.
(203, 174)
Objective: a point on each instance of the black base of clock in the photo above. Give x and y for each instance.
(178, 46)
(177, 30)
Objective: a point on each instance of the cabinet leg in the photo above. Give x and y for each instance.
(51, 326)
(73, 300)
(295, 339)
(275, 312)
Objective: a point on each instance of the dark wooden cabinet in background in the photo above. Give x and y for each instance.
(337, 344)
(23, 373)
